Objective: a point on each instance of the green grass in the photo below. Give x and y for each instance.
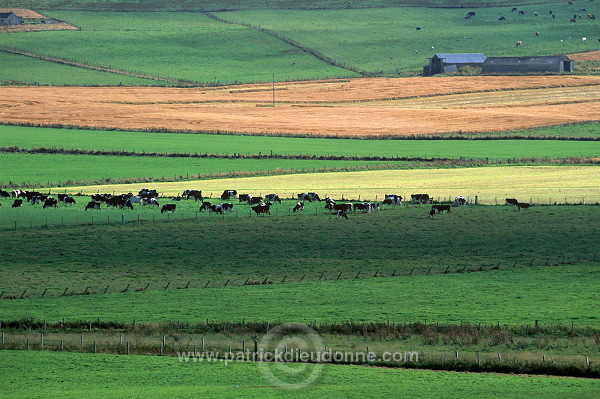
(385, 40)
(23, 70)
(240, 248)
(59, 169)
(30, 137)
(74, 375)
(511, 296)
(187, 46)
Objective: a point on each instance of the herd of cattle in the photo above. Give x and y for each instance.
(260, 205)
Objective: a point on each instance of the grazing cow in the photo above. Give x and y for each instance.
(419, 28)
(227, 206)
(471, 14)
(255, 200)
(440, 208)
(591, 16)
(69, 201)
(342, 207)
(244, 197)
(17, 203)
(583, 40)
(216, 209)
(310, 197)
(524, 205)
(272, 198)
(229, 194)
(117, 200)
(420, 198)
(299, 206)
(460, 200)
(501, 18)
(363, 207)
(262, 209)
(537, 33)
(195, 194)
(145, 193)
(50, 202)
(136, 199)
(205, 206)
(4, 194)
(93, 205)
(168, 208)
(342, 214)
(519, 43)
(511, 201)
(573, 20)
(374, 206)
(392, 199)
(36, 199)
(432, 213)
(521, 12)
(101, 197)
(513, 9)
(582, 10)
(150, 201)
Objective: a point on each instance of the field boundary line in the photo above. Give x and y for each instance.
(101, 68)
(313, 52)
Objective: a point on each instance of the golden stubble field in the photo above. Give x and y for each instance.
(540, 184)
(345, 108)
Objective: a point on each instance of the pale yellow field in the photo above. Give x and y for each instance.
(540, 184)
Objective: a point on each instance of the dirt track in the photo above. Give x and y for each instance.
(354, 107)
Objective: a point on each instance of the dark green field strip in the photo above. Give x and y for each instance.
(33, 137)
(23, 70)
(77, 375)
(551, 295)
(58, 169)
(285, 245)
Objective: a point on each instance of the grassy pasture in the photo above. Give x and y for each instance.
(182, 45)
(238, 247)
(511, 296)
(540, 184)
(65, 170)
(18, 69)
(75, 375)
(29, 137)
(385, 40)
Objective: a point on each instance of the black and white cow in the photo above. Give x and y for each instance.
(440, 208)
(168, 208)
(229, 194)
(205, 206)
(228, 206)
(272, 198)
(347, 207)
(4, 194)
(460, 200)
(392, 199)
(342, 214)
(363, 207)
(50, 202)
(263, 209)
(310, 197)
(244, 197)
(93, 205)
(146, 193)
(195, 194)
(17, 203)
(69, 201)
(299, 207)
(150, 201)
(255, 200)
(420, 198)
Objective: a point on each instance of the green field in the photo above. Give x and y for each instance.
(24, 70)
(74, 375)
(378, 41)
(385, 40)
(30, 137)
(186, 46)
(68, 170)
(238, 247)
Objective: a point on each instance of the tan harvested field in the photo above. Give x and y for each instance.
(24, 13)
(541, 184)
(356, 107)
(587, 56)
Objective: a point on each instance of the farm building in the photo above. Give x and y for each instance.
(559, 63)
(10, 18)
(448, 63)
